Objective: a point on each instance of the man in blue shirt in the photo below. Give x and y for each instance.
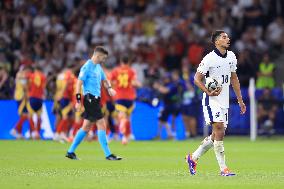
(91, 75)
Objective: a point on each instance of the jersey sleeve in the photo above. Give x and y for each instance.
(203, 67)
(83, 73)
(233, 65)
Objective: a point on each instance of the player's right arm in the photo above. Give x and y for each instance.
(202, 69)
(82, 76)
(78, 94)
(198, 81)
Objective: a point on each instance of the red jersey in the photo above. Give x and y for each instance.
(37, 82)
(104, 94)
(122, 77)
(70, 82)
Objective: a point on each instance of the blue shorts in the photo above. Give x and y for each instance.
(110, 106)
(65, 107)
(190, 110)
(168, 110)
(34, 105)
(126, 106)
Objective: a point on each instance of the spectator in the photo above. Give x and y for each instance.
(172, 60)
(171, 92)
(195, 52)
(245, 69)
(55, 32)
(265, 74)
(190, 102)
(4, 82)
(275, 31)
(140, 67)
(267, 108)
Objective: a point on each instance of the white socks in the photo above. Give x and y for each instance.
(206, 144)
(219, 152)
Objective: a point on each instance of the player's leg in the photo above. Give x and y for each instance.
(32, 103)
(63, 125)
(37, 107)
(56, 110)
(193, 126)
(124, 109)
(205, 145)
(174, 111)
(22, 111)
(81, 134)
(110, 117)
(76, 125)
(189, 117)
(101, 125)
(38, 124)
(173, 125)
(219, 133)
(163, 121)
(186, 123)
(126, 125)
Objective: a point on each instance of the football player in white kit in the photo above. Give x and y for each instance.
(220, 64)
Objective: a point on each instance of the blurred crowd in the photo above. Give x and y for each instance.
(161, 35)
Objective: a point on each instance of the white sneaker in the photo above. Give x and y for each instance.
(14, 133)
(56, 137)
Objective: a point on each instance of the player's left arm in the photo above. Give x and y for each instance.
(135, 81)
(107, 84)
(237, 89)
(108, 87)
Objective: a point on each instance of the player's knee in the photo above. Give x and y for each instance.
(101, 124)
(218, 126)
(86, 126)
(218, 135)
(122, 115)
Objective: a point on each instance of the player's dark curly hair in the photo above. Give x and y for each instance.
(215, 35)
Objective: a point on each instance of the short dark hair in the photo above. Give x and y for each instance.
(36, 67)
(215, 35)
(124, 59)
(101, 49)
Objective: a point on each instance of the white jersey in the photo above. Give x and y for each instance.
(219, 67)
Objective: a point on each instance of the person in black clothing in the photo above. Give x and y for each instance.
(172, 92)
(266, 111)
(245, 70)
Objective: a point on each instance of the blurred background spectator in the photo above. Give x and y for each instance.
(160, 35)
(265, 74)
(267, 108)
(56, 33)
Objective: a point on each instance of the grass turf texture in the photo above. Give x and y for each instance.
(160, 164)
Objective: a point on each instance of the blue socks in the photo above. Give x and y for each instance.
(81, 135)
(77, 140)
(103, 142)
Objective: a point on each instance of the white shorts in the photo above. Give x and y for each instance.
(215, 114)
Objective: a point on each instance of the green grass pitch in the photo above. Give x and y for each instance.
(146, 165)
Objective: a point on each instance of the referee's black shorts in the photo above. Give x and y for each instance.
(93, 111)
